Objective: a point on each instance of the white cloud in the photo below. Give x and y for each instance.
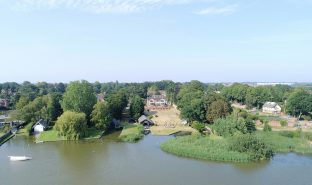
(102, 6)
(218, 10)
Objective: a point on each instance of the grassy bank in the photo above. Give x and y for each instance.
(52, 135)
(131, 133)
(207, 148)
(218, 149)
(283, 142)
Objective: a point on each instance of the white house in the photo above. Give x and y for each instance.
(157, 100)
(272, 108)
(40, 126)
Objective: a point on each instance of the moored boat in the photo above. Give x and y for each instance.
(19, 158)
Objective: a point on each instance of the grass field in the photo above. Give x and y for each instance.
(131, 133)
(52, 135)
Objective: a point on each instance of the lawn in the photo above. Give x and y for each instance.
(52, 135)
(131, 133)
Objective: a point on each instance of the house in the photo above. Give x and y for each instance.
(40, 126)
(4, 103)
(157, 100)
(272, 108)
(145, 121)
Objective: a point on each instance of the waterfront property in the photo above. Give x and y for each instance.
(40, 126)
(145, 121)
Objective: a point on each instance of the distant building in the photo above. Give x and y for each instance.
(157, 100)
(272, 108)
(273, 83)
(4, 103)
(40, 126)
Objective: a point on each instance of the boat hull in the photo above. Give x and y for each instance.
(19, 158)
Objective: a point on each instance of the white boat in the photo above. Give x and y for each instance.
(19, 158)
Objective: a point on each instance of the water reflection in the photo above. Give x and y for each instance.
(109, 162)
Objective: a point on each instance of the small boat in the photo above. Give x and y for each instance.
(39, 142)
(19, 158)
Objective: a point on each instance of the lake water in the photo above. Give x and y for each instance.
(105, 162)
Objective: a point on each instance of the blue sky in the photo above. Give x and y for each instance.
(149, 40)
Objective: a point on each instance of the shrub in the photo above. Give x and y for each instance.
(306, 117)
(200, 127)
(229, 126)
(72, 125)
(267, 127)
(256, 148)
(283, 123)
(250, 125)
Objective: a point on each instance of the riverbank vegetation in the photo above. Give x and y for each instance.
(131, 133)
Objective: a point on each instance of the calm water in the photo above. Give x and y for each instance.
(107, 162)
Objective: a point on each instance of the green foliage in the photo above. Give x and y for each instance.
(200, 127)
(307, 117)
(117, 103)
(267, 127)
(299, 103)
(131, 133)
(101, 116)
(255, 147)
(192, 106)
(199, 147)
(136, 107)
(280, 143)
(283, 123)
(218, 109)
(250, 125)
(230, 126)
(45, 107)
(79, 97)
(71, 125)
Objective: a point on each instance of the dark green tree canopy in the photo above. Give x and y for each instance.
(136, 107)
(299, 102)
(101, 116)
(79, 97)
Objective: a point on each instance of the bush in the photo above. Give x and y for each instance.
(256, 148)
(267, 127)
(283, 123)
(306, 117)
(229, 126)
(200, 127)
(72, 125)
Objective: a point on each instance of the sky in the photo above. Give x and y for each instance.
(151, 40)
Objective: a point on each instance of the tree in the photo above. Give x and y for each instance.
(229, 126)
(117, 103)
(79, 97)
(136, 107)
(101, 116)
(218, 109)
(72, 125)
(192, 106)
(53, 106)
(299, 103)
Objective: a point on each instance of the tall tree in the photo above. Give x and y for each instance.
(79, 97)
(218, 109)
(136, 107)
(299, 103)
(101, 116)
